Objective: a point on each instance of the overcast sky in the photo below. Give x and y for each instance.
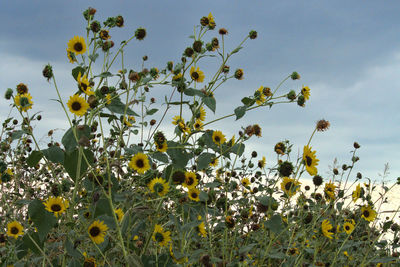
(347, 52)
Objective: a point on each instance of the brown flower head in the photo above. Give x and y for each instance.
(322, 125)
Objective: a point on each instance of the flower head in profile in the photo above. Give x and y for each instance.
(329, 190)
(211, 21)
(261, 163)
(160, 236)
(214, 162)
(218, 138)
(177, 119)
(194, 194)
(119, 213)
(201, 229)
(368, 213)
(77, 45)
(77, 105)
(201, 114)
(356, 193)
(305, 91)
(139, 163)
(162, 147)
(15, 229)
(290, 186)
(71, 56)
(56, 205)
(259, 95)
(129, 120)
(190, 180)
(23, 101)
(245, 182)
(97, 230)
(84, 84)
(196, 74)
(326, 227)
(310, 160)
(159, 186)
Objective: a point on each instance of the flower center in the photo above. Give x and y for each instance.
(140, 163)
(195, 75)
(288, 186)
(14, 230)
(55, 207)
(94, 231)
(366, 213)
(159, 237)
(89, 264)
(308, 161)
(78, 47)
(83, 86)
(189, 181)
(194, 195)
(76, 106)
(158, 187)
(217, 139)
(347, 227)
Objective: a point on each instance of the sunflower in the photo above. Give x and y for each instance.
(177, 119)
(190, 180)
(160, 236)
(194, 194)
(245, 182)
(218, 138)
(198, 125)
(196, 74)
(119, 213)
(162, 147)
(83, 84)
(261, 163)
(104, 34)
(201, 228)
(290, 186)
(23, 101)
(356, 193)
(184, 128)
(77, 105)
(180, 260)
(89, 262)
(97, 230)
(305, 91)
(128, 121)
(260, 97)
(201, 114)
(326, 227)
(368, 213)
(214, 162)
(177, 77)
(348, 226)
(330, 190)
(71, 56)
(57, 205)
(159, 186)
(139, 163)
(108, 99)
(22, 89)
(77, 45)
(15, 229)
(310, 160)
(211, 21)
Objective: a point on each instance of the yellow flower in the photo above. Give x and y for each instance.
(160, 236)
(290, 186)
(261, 163)
(330, 190)
(368, 213)
(198, 125)
(162, 147)
(260, 96)
(184, 128)
(356, 193)
(57, 205)
(196, 74)
(15, 229)
(120, 214)
(201, 114)
(348, 226)
(177, 77)
(310, 160)
(180, 260)
(201, 229)
(211, 21)
(190, 180)
(77, 45)
(108, 99)
(129, 121)
(97, 230)
(245, 182)
(194, 194)
(83, 84)
(159, 186)
(77, 105)
(218, 138)
(23, 101)
(326, 227)
(177, 119)
(139, 163)
(305, 91)
(90, 262)
(71, 56)
(214, 162)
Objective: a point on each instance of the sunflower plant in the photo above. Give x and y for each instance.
(121, 189)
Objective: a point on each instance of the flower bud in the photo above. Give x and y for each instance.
(295, 75)
(47, 72)
(253, 35)
(95, 26)
(140, 33)
(119, 21)
(239, 74)
(197, 46)
(301, 100)
(291, 95)
(223, 31)
(8, 94)
(188, 52)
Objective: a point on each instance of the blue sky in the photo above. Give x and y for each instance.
(347, 52)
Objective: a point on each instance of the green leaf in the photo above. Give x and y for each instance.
(213, 184)
(118, 107)
(54, 154)
(17, 134)
(76, 71)
(34, 158)
(247, 101)
(103, 208)
(203, 196)
(209, 101)
(193, 92)
(104, 74)
(151, 111)
(27, 239)
(160, 157)
(178, 154)
(236, 50)
(71, 162)
(244, 250)
(204, 160)
(93, 57)
(238, 149)
(146, 80)
(42, 219)
(275, 224)
(69, 141)
(73, 252)
(240, 111)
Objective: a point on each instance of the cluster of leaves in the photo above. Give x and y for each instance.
(189, 198)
